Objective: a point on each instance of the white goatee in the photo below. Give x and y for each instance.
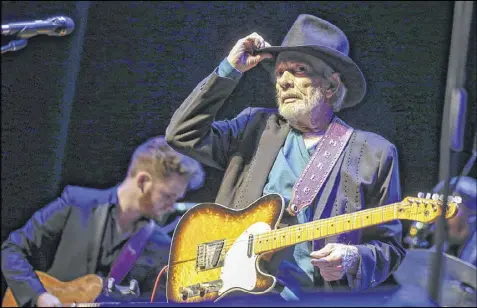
(305, 115)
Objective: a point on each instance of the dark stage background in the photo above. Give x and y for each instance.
(74, 108)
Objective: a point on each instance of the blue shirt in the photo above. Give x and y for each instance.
(226, 70)
(287, 168)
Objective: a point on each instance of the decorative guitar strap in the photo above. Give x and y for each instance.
(328, 149)
(130, 252)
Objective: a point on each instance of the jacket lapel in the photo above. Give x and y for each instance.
(98, 226)
(271, 141)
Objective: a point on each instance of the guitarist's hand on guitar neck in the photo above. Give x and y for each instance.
(48, 300)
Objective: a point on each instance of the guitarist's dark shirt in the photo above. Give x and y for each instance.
(113, 241)
(73, 236)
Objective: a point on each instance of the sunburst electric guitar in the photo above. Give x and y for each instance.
(216, 250)
(81, 292)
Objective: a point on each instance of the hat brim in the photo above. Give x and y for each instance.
(350, 73)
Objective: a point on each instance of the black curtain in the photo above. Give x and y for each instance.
(136, 61)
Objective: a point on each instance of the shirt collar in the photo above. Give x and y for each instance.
(114, 201)
(113, 197)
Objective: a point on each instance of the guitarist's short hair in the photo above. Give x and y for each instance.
(158, 158)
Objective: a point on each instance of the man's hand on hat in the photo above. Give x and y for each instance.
(242, 56)
(335, 260)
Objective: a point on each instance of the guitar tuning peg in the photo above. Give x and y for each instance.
(435, 196)
(428, 196)
(457, 199)
(420, 195)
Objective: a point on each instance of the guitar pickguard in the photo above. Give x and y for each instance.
(239, 268)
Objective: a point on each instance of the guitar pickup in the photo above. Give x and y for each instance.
(210, 255)
(250, 245)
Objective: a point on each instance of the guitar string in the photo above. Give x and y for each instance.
(297, 229)
(294, 231)
(338, 219)
(312, 225)
(300, 229)
(227, 244)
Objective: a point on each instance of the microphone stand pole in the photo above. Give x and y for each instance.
(14, 45)
(452, 130)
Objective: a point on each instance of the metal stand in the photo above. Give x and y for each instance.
(452, 130)
(14, 45)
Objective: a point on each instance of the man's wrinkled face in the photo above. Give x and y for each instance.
(300, 85)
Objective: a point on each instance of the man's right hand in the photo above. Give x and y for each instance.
(242, 56)
(48, 300)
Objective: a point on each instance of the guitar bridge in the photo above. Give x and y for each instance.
(210, 255)
(201, 289)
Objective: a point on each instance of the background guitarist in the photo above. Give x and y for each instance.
(82, 232)
(461, 229)
(266, 151)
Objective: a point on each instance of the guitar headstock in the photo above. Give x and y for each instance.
(427, 208)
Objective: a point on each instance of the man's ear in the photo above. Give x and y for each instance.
(144, 181)
(335, 82)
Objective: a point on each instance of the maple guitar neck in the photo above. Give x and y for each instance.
(277, 239)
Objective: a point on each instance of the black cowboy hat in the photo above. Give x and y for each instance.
(317, 37)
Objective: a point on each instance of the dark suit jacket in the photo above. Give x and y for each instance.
(245, 147)
(68, 233)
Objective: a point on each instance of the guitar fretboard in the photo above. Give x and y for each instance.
(292, 235)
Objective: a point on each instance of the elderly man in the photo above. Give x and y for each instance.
(263, 151)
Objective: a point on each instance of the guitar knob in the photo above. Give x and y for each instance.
(203, 287)
(185, 292)
(428, 196)
(435, 196)
(420, 195)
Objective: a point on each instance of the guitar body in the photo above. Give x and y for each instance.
(211, 254)
(216, 251)
(84, 289)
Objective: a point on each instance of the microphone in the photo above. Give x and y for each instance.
(54, 26)
(14, 45)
